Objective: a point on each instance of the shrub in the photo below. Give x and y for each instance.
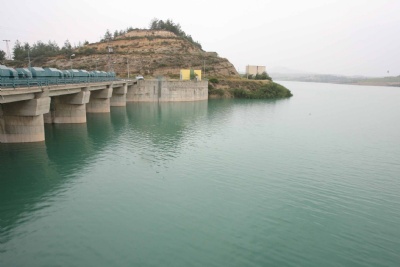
(174, 76)
(213, 80)
(2, 55)
(240, 93)
(192, 74)
(267, 91)
(219, 92)
(87, 51)
(262, 76)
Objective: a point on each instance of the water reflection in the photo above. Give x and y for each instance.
(68, 146)
(223, 109)
(26, 175)
(32, 173)
(160, 121)
(164, 125)
(157, 131)
(100, 130)
(119, 119)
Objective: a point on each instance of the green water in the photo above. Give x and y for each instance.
(309, 181)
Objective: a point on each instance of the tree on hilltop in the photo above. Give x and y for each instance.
(37, 50)
(19, 51)
(67, 48)
(2, 55)
(173, 27)
(262, 76)
(107, 35)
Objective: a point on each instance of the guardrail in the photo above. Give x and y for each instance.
(33, 82)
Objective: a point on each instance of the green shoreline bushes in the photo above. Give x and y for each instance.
(267, 91)
(250, 89)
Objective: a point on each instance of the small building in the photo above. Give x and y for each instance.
(254, 70)
(190, 74)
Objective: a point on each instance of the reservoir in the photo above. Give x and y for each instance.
(313, 180)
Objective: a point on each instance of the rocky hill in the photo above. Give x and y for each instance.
(147, 52)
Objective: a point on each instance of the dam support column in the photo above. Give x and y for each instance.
(22, 121)
(99, 101)
(118, 98)
(130, 92)
(68, 108)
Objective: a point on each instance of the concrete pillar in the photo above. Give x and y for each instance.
(118, 98)
(22, 121)
(68, 108)
(99, 101)
(130, 96)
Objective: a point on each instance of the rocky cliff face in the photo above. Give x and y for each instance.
(147, 52)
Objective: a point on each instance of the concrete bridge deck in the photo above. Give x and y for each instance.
(8, 95)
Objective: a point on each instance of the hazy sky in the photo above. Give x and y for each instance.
(350, 37)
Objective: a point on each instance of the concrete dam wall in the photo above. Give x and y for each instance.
(167, 91)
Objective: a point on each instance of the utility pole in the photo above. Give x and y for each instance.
(70, 60)
(29, 59)
(8, 49)
(110, 51)
(204, 67)
(127, 64)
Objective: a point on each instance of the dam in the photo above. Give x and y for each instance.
(23, 111)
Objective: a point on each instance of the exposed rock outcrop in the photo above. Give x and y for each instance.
(148, 52)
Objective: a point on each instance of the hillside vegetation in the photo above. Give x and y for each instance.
(243, 88)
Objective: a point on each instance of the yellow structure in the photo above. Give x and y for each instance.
(191, 74)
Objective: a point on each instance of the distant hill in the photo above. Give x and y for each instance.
(331, 78)
(310, 77)
(285, 70)
(149, 52)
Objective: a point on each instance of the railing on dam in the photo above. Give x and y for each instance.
(38, 76)
(20, 83)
